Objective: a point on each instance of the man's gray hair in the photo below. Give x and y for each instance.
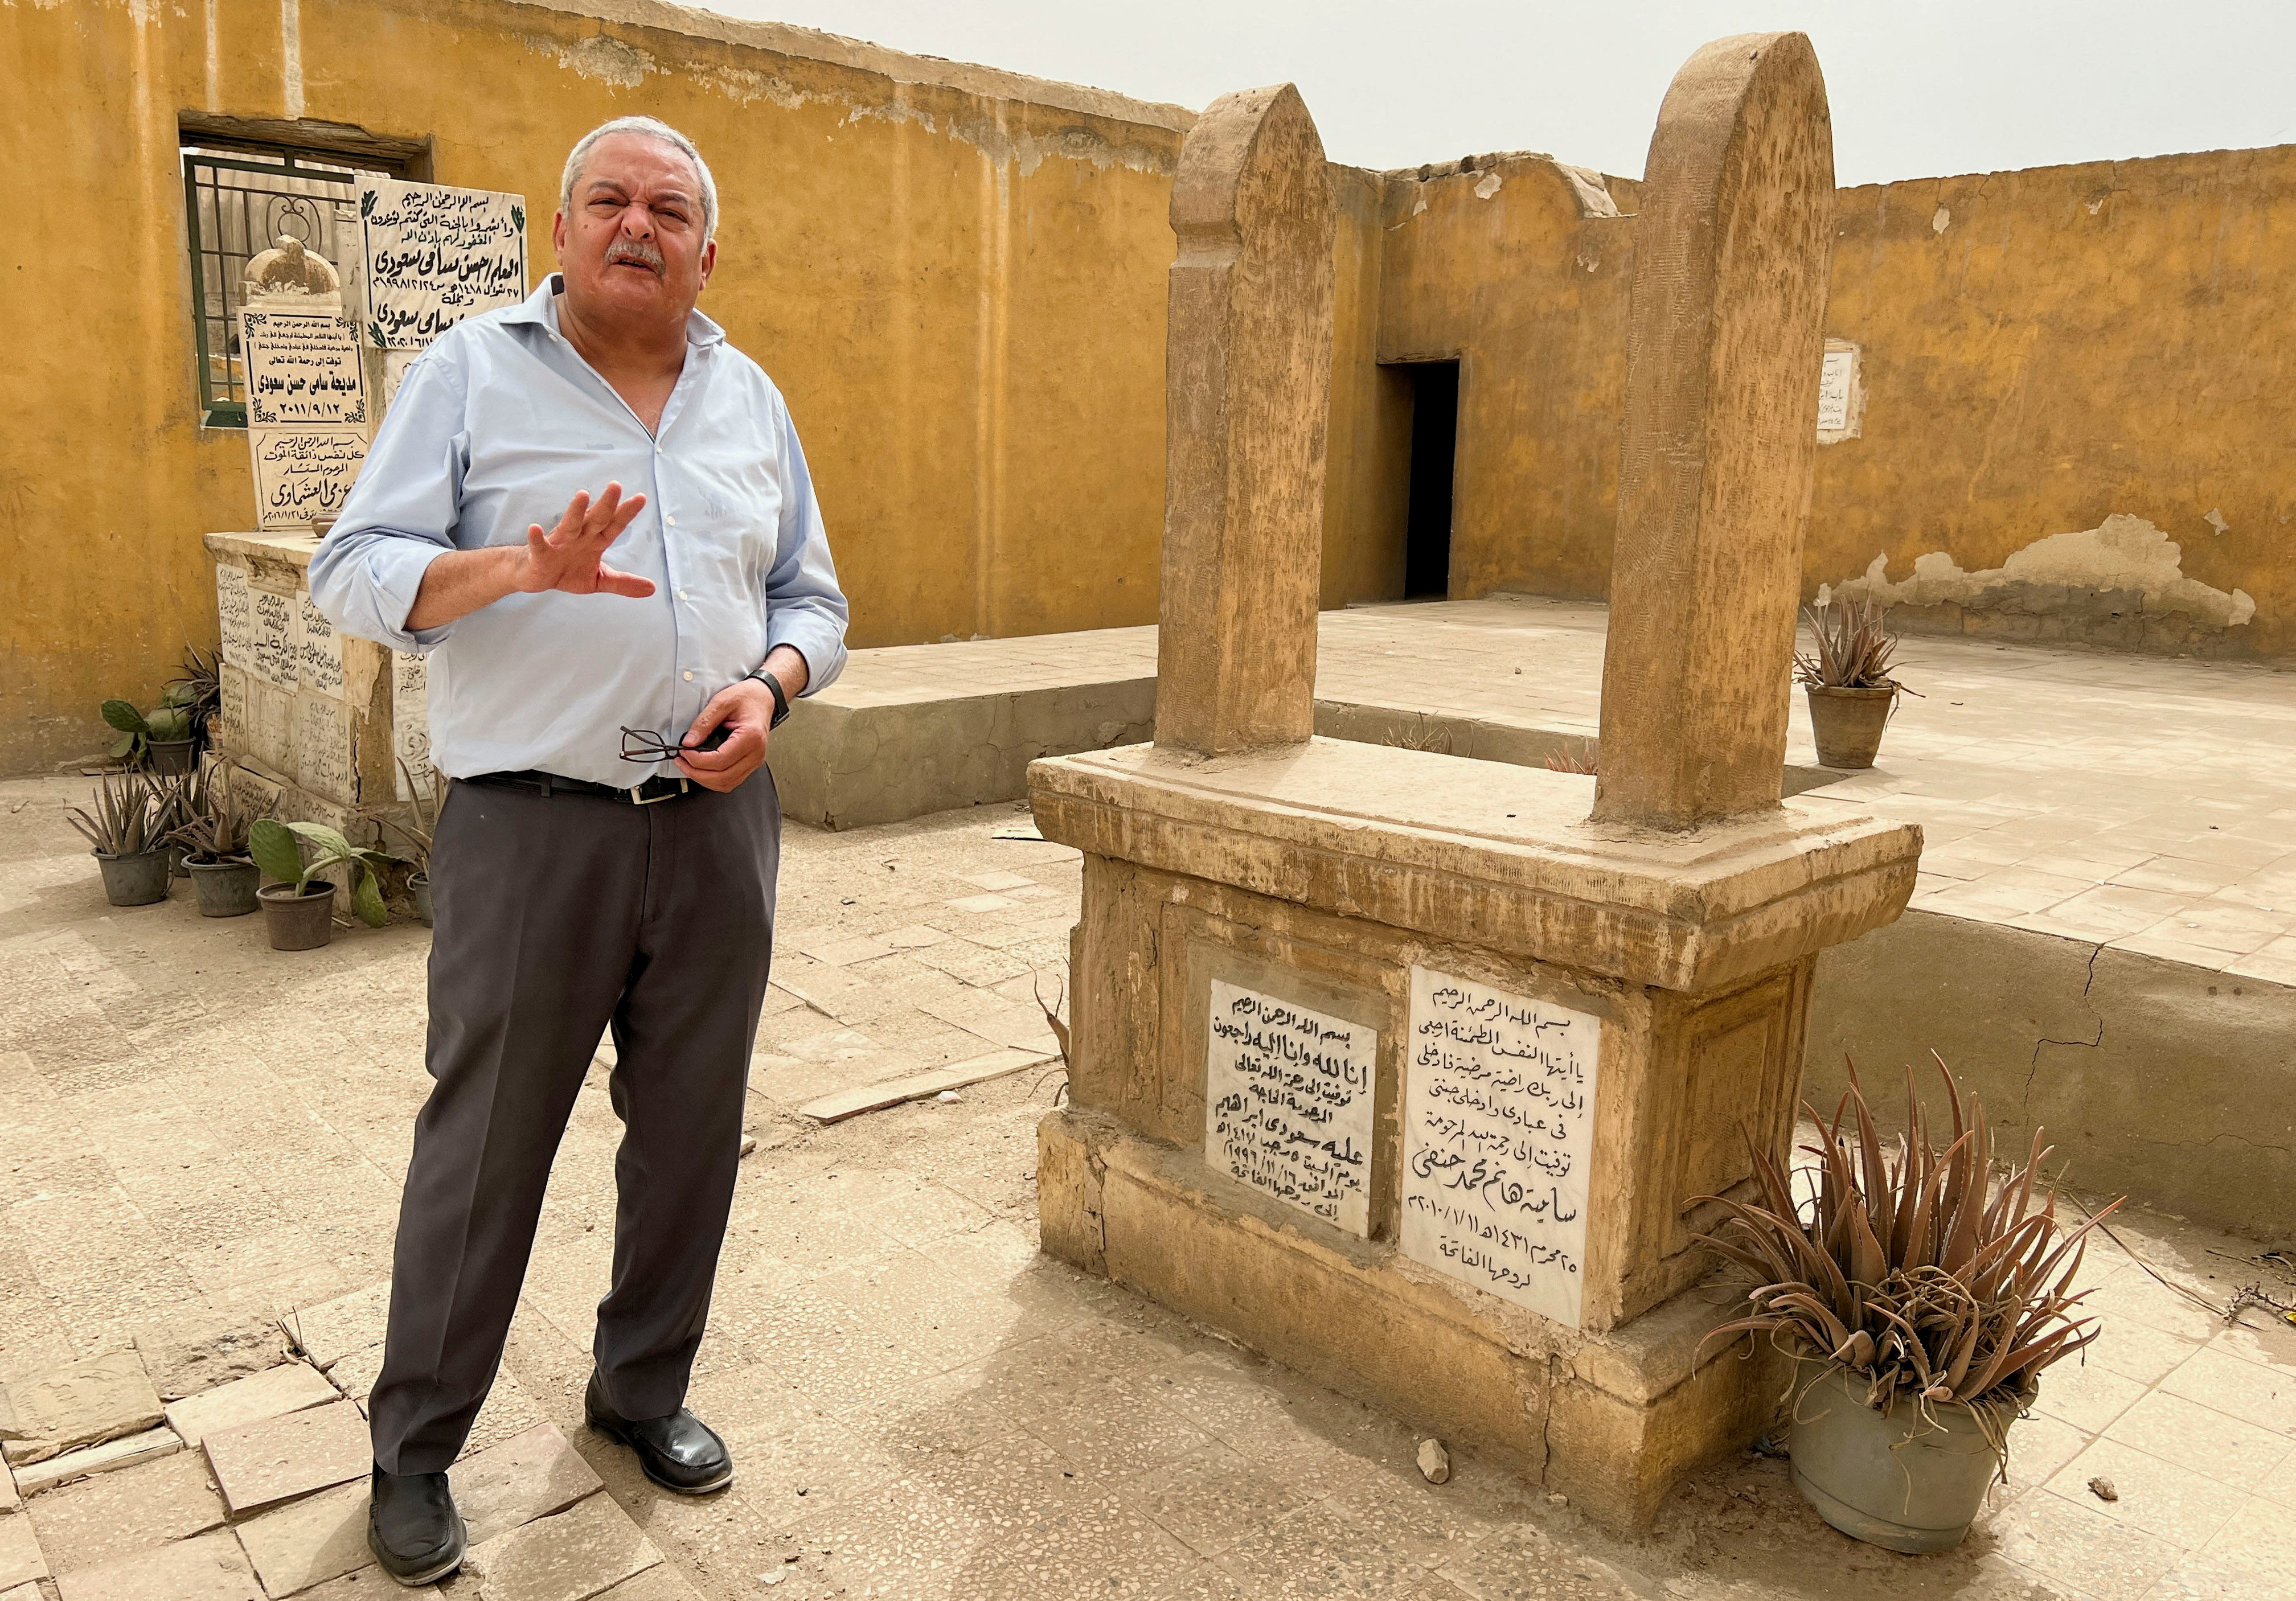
(651, 128)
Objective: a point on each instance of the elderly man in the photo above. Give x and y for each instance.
(602, 691)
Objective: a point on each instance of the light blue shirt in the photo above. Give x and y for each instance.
(498, 425)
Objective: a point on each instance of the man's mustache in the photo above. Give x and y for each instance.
(643, 251)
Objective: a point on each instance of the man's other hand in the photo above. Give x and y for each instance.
(572, 557)
(746, 710)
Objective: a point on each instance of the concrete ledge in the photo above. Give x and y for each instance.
(2172, 1084)
(1612, 1421)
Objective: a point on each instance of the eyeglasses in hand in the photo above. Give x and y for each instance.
(644, 745)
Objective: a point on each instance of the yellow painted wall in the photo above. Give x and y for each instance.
(2073, 343)
(956, 275)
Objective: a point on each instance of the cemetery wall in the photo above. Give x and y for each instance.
(956, 274)
(2064, 402)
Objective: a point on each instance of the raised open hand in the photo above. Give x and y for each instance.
(572, 557)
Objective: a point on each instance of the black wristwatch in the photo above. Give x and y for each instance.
(780, 700)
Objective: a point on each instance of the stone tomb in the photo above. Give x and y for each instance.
(1402, 1068)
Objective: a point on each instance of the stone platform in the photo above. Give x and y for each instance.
(2104, 934)
(200, 1131)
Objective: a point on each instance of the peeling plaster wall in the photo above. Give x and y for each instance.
(957, 275)
(2083, 361)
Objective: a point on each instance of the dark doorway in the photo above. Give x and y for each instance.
(1434, 440)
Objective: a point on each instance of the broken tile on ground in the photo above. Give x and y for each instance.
(207, 1567)
(273, 1459)
(334, 1329)
(570, 1556)
(126, 1451)
(306, 1542)
(103, 1519)
(21, 1561)
(272, 1394)
(78, 1403)
(529, 1475)
(185, 1363)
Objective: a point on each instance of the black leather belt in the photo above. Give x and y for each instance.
(659, 788)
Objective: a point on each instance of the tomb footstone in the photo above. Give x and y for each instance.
(1570, 1026)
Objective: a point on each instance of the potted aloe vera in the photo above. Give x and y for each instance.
(1847, 677)
(124, 830)
(424, 805)
(300, 910)
(216, 846)
(1921, 1296)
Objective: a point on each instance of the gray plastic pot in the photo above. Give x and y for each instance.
(225, 888)
(1899, 1480)
(1846, 723)
(135, 880)
(303, 922)
(418, 886)
(173, 756)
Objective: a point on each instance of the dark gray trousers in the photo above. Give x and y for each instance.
(555, 917)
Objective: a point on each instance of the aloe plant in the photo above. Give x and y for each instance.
(215, 825)
(126, 818)
(1916, 1270)
(1854, 647)
(297, 853)
(424, 805)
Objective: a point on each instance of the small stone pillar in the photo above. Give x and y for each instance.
(1248, 375)
(1725, 339)
(1397, 1065)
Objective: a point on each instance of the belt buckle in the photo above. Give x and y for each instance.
(636, 799)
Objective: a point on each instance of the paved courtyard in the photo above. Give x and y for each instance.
(201, 1141)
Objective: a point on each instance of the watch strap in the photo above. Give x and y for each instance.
(781, 700)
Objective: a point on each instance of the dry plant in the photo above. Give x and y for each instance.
(1913, 1271)
(126, 819)
(422, 804)
(1854, 647)
(1578, 756)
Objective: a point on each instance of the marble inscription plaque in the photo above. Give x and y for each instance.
(410, 719)
(271, 638)
(1499, 1126)
(318, 650)
(323, 752)
(435, 255)
(303, 473)
(1288, 1103)
(234, 610)
(302, 370)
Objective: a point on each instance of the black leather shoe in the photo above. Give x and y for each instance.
(413, 1528)
(679, 1452)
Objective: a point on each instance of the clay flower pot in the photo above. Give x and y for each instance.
(1848, 724)
(225, 888)
(303, 922)
(1899, 1480)
(135, 880)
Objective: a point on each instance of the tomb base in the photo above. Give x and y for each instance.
(1443, 969)
(1610, 1421)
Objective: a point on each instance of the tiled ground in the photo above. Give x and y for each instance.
(195, 1130)
(2057, 786)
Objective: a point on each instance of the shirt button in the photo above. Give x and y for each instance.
(689, 678)
(671, 521)
(681, 594)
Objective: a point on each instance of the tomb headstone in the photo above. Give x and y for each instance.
(1248, 375)
(436, 255)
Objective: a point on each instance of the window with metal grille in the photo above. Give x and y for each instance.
(238, 199)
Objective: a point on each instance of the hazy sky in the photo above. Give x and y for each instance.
(1920, 88)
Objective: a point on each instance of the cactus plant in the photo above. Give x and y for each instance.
(139, 730)
(297, 853)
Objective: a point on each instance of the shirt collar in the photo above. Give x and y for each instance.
(541, 308)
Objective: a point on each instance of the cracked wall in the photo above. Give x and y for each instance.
(2083, 354)
(2141, 1070)
(956, 274)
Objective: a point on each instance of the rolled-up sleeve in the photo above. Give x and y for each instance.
(804, 607)
(401, 515)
